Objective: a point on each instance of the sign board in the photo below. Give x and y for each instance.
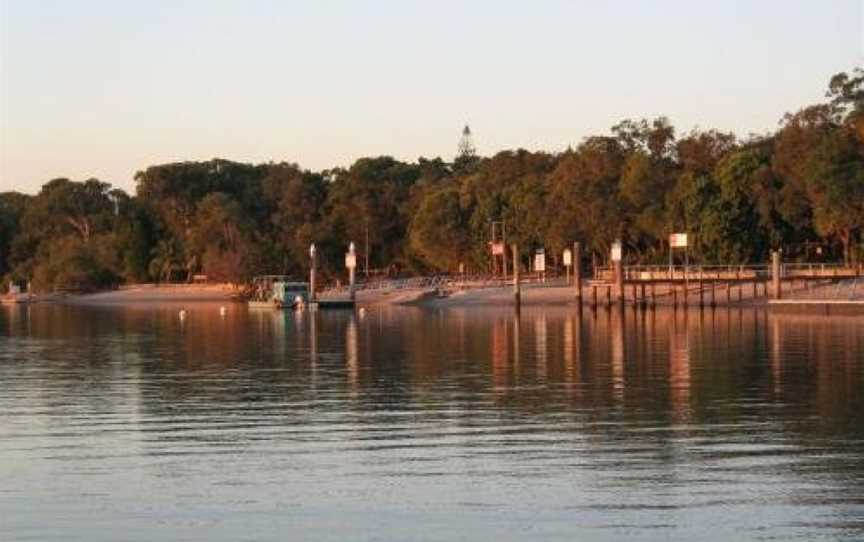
(540, 261)
(616, 251)
(568, 257)
(350, 260)
(497, 249)
(678, 240)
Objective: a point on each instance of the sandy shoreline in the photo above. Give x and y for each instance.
(152, 293)
(531, 295)
(208, 293)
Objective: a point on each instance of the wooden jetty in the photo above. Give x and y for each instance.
(775, 284)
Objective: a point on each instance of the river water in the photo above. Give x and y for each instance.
(124, 423)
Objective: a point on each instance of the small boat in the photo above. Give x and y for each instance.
(277, 292)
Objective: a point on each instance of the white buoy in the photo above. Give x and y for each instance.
(182, 314)
(223, 311)
(362, 312)
(299, 303)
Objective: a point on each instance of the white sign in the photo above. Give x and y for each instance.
(616, 251)
(678, 240)
(568, 257)
(497, 249)
(540, 261)
(350, 260)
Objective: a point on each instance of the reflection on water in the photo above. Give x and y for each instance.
(429, 424)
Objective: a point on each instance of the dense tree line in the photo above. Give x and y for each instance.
(800, 188)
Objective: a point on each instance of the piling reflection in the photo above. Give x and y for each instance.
(679, 370)
(352, 353)
(616, 319)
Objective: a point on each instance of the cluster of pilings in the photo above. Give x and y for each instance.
(699, 291)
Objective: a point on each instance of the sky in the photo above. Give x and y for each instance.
(105, 88)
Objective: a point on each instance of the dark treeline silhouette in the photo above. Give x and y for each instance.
(800, 189)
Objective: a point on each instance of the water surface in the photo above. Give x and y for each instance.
(426, 424)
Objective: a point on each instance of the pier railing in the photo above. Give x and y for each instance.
(447, 282)
(727, 272)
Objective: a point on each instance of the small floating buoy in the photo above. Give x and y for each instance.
(362, 312)
(182, 314)
(299, 303)
(223, 311)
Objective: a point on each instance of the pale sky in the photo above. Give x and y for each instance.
(105, 88)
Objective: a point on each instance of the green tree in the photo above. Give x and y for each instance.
(368, 200)
(12, 207)
(440, 232)
(585, 202)
(822, 159)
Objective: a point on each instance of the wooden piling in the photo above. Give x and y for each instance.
(517, 294)
(313, 263)
(618, 269)
(775, 275)
(352, 282)
(577, 270)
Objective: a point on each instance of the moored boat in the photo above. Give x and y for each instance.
(277, 292)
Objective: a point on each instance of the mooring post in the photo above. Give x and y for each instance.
(618, 269)
(701, 289)
(517, 294)
(674, 295)
(608, 297)
(351, 260)
(577, 271)
(594, 297)
(313, 260)
(775, 274)
(684, 295)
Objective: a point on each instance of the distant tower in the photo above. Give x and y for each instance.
(466, 149)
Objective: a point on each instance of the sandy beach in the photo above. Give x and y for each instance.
(156, 293)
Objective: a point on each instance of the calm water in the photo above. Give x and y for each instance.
(413, 424)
